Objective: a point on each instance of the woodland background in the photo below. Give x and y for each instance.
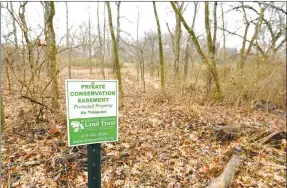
(192, 108)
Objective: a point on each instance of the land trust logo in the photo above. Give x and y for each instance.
(77, 126)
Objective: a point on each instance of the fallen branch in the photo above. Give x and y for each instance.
(275, 137)
(24, 164)
(36, 102)
(227, 176)
(231, 132)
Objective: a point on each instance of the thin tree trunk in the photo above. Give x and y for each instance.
(2, 113)
(224, 37)
(243, 53)
(48, 63)
(101, 46)
(90, 46)
(52, 53)
(115, 49)
(162, 68)
(225, 67)
(68, 41)
(29, 45)
(188, 44)
(105, 40)
(138, 60)
(211, 48)
(177, 41)
(118, 30)
(206, 61)
(14, 26)
(24, 65)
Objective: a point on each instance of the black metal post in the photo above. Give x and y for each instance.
(94, 165)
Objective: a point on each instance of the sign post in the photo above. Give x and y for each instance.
(94, 165)
(92, 118)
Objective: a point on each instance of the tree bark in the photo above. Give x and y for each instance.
(228, 174)
(30, 45)
(68, 41)
(177, 40)
(101, 46)
(14, 26)
(118, 30)
(2, 112)
(52, 51)
(188, 44)
(138, 59)
(115, 49)
(225, 71)
(90, 45)
(162, 68)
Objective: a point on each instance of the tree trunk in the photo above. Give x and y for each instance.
(206, 61)
(177, 41)
(48, 63)
(162, 68)
(243, 53)
(30, 46)
(138, 59)
(68, 42)
(90, 46)
(2, 112)
(115, 49)
(14, 26)
(211, 50)
(188, 44)
(51, 44)
(224, 37)
(101, 46)
(118, 30)
(227, 176)
(225, 67)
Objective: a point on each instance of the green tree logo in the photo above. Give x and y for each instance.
(77, 126)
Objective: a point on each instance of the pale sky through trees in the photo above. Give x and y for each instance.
(79, 11)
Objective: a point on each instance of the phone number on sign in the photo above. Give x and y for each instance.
(93, 135)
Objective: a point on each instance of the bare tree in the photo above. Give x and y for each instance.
(101, 45)
(188, 44)
(115, 49)
(177, 39)
(208, 62)
(68, 41)
(52, 51)
(90, 44)
(30, 45)
(162, 68)
(118, 29)
(245, 52)
(211, 42)
(223, 33)
(138, 62)
(14, 26)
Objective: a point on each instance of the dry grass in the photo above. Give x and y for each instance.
(257, 81)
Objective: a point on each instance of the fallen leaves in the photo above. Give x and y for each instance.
(161, 144)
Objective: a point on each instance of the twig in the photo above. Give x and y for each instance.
(25, 164)
(36, 102)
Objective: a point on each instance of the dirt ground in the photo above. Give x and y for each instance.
(160, 143)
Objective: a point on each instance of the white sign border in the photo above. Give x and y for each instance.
(67, 108)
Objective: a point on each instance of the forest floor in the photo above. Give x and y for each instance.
(160, 143)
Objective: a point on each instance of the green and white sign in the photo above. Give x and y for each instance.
(92, 111)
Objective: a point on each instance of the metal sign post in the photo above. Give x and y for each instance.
(94, 165)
